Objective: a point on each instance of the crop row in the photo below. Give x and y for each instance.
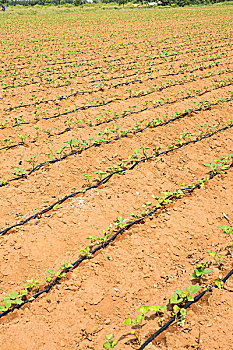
(103, 137)
(31, 289)
(104, 86)
(100, 70)
(9, 143)
(162, 53)
(126, 165)
(132, 95)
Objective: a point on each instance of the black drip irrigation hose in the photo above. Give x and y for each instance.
(121, 117)
(105, 244)
(109, 79)
(81, 61)
(127, 98)
(82, 92)
(128, 68)
(138, 56)
(54, 87)
(144, 109)
(118, 99)
(186, 306)
(24, 176)
(106, 178)
(153, 64)
(93, 72)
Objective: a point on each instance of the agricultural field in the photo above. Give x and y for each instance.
(116, 181)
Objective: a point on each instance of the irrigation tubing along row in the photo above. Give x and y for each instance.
(116, 85)
(186, 306)
(138, 56)
(144, 109)
(82, 92)
(103, 245)
(23, 176)
(112, 78)
(105, 179)
(127, 98)
(124, 115)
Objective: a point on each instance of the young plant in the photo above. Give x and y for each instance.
(72, 143)
(32, 161)
(20, 171)
(21, 137)
(201, 271)
(65, 266)
(220, 165)
(87, 178)
(218, 261)
(181, 297)
(226, 228)
(110, 343)
(86, 252)
(143, 310)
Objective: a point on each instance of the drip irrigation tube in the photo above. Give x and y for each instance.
(198, 297)
(106, 178)
(147, 108)
(160, 56)
(24, 176)
(118, 77)
(126, 114)
(127, 98)
(103, 245)
(82, 92)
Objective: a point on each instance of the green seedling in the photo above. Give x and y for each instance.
(20, 171)
(36, 127)
(144, 148)
(21, 137)
(101, 239)
(65, 267)
(226, 228)
(50, 155)
(157, 149)
(48, 131)
(136, 155)
(110, 344)
(183, 313)
(181, 297)
(220, 165)
(120, 222)
(86, 252)
(87, 178)
(72, 143)
(218, 261)
(32, 161)
(56, 206)
(8, 142)
(201, 271)
(219, 284)
(11, 300)
(143, 310)
(100, 174)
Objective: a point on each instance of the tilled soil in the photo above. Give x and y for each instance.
(111, 81)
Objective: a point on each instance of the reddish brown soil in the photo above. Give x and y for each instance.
(149, 261)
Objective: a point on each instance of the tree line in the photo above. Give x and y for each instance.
(179, 3)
